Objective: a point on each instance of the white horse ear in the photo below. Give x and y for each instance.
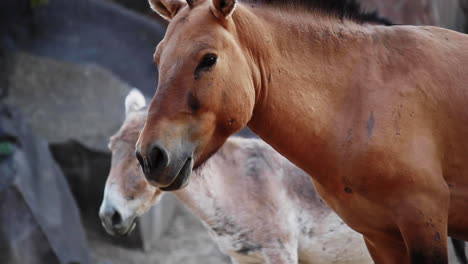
(167, 8)
(134, 101)
(223, 9)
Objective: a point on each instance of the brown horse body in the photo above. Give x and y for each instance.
(377, 115)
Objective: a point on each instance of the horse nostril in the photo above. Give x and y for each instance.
(116, 219)
(158, 158)
(140, 159)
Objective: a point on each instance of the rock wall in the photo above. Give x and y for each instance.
(444, 13)
(63, 101)
(85, 32)
(39, 220)
(77, 108)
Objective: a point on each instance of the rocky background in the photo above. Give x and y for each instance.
(443, 13)
(65, 68)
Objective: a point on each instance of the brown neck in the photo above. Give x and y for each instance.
(307, 70)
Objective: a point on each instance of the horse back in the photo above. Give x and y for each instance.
(425, 70)
(429, 74)
(451, 90)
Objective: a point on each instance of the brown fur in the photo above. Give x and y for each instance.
(377, 115)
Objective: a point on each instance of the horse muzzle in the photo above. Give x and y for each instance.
(114, 223)
(165, 171)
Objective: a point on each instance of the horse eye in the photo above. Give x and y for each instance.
(208, 61)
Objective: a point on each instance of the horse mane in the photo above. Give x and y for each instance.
(342, 9)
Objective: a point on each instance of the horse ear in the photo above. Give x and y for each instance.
(223, 9)
(167, 8)
(134, 101)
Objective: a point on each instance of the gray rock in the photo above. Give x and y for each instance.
(62, 101)
(445, 13)
(39, 220)
(21, 238)
(83, 32)
(449, 14)
(464, 5)
(84, 104)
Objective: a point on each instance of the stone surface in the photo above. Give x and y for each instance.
(21, 238)
(62, 101)
(84, 104)
(141, 6)
(446, 13)
(464, 5)
(83, 32)
(415, 12)
(39, 218)
(449, 14)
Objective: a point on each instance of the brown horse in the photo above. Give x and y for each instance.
(376, 114)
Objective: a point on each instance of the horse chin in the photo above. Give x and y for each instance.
(129, 230)
(121, 231)
(183, 177)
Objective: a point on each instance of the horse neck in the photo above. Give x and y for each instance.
(198, 196)
(307, 68)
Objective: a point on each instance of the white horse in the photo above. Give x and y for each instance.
(257, 206)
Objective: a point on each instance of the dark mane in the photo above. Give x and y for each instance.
(349, 9)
